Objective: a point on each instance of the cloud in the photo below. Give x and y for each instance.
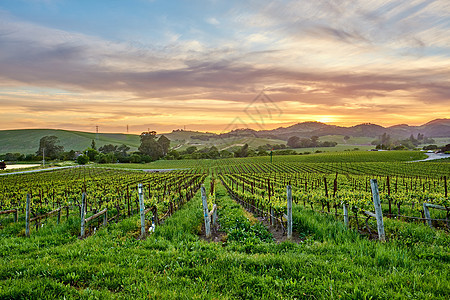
(309, 53)
(212, 21)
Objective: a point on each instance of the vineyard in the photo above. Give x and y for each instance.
(334, 252)
(114, 190)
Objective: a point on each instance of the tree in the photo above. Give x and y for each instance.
(225, 154)
(414, 141)
(314, 139)
(242, 152)
(164, 143)
(262, 152)
(172, 155)
(213, 152)
(105, 158)
(108, 148)
(149, 146)
(293, 142)
(67, 155)
(82, 159)
(135, 158)
(123, 149)
(446, 148)
(93, 146)
(49, 146)
(430, 147)
(91, 153)
(13, 156)
(191, 149)
(346, 138)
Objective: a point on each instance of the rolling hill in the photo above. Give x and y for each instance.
(26, 141)
(439, 128)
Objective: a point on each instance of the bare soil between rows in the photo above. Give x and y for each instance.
(279, 236)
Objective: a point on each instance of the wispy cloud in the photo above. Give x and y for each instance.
(349, 57)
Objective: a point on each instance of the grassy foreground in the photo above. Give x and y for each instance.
(175, 263)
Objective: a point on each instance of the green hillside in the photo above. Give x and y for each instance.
(26, 141)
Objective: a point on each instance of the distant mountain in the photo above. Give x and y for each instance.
(304, 129)
(438, 122)
(435, 128)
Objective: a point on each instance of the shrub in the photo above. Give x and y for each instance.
(82, 159)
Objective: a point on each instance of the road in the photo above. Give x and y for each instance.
(39, 170)
(434, 156)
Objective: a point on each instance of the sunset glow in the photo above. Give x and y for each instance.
(164, 65)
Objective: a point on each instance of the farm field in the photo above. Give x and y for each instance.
(339, 157)
(245, 258)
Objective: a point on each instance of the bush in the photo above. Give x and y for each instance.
(135, 158)
(430, 147)
(82, 159)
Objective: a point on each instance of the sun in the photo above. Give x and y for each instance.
(326, 119)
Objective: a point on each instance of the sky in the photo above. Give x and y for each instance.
(219, 65)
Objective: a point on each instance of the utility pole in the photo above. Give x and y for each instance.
(96, 132)
(43, 157)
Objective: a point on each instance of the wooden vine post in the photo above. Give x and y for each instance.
(83, 215)
(27, 216)
(378, 211)
(389, 194)
(206, 212)
(128, 200)
(445, 187)
(272, 219)
(141, 209)
(59, 216)
(426, 212)
(345, 208)
(289, 211)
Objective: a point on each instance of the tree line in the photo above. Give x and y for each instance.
(386, 142)
(151, 148)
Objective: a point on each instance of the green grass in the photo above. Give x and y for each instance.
(438, 141)
(229, 144)
(174, 263)
(352, 141)
(337, 148)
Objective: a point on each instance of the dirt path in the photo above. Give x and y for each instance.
(231, 146)
(217, 236)
(278, 234)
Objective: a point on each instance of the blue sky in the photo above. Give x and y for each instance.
(168, 64)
